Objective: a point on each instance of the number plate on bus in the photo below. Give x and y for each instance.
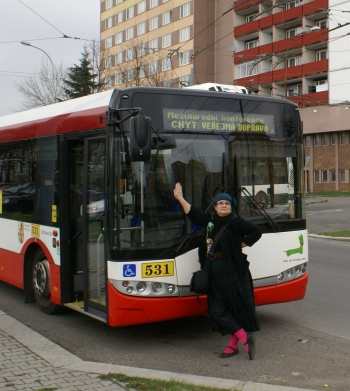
(158, 269)
(36, 230)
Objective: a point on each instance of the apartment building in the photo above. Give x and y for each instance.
(297, 50)
(162, 42)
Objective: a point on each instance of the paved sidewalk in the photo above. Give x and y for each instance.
(30, 362)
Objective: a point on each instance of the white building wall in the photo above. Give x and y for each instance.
(339, 52)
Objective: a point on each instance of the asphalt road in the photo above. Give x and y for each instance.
(327, 214)
(301, 344)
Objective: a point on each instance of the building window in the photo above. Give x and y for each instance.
(185, 34)
(118, 78)
(185, 10)
(108, 42)
(166, 64)
(251, 44)
(109, 23)
(294, 61)
(153, 67)
(119, 58)
(141, 7)
(185, 58)
(141, 50)
(109, 4)
(141, 28)
(246, 69)
(184, 81)
(291, 4)
(108, 82)
(342, 175)
(322, 23)
(119, 17)
(166, 18)
(166, 41)
(153, 3)
(333, 138)
(167, 83)
(165, 1)
(342, 138)
(108, 62)
(129, 54)
(129, 13)
(324, 139)
(321, 55)
(333, 176)
(129, 75)
(293, 32)
(316, 139)
(307, 141)
(250, 17)
(119, 38)
(142, 72)
(295, 90)
(153, 23)
(129, 33)
(119, 1)
(325, 176)
(316, 176)
(153, 45)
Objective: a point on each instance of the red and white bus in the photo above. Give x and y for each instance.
(88, 219)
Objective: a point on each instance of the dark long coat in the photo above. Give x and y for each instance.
(231, 298)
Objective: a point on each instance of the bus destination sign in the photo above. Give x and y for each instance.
(209, 121)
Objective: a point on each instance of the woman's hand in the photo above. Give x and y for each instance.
(178, 192)
(180, 197)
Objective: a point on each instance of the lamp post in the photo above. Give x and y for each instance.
(53, 67)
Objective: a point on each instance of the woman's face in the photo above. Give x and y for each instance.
(223, 208)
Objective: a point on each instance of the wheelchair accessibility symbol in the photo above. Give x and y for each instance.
(129, 270)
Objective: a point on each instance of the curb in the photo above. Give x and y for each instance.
(328, 237)
(61, 358)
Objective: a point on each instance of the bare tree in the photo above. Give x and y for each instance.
(138, 65)
(98, 61)
(43, 89)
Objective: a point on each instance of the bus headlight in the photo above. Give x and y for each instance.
(125, 283)
(290, 273)
(303, 270)
(171, 288)
(141, 287)
(129, 289)
(280, 277)
(297, 270)
(157, 287)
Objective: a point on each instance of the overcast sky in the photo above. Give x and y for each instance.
(74, 18)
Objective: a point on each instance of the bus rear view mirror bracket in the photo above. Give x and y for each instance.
(140, 132)
(164, 142)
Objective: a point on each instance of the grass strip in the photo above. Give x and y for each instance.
(328, 194)
(144, 384)
(337, 234)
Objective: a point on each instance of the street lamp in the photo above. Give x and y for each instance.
(25, 43)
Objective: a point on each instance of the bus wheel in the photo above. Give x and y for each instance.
(41, 284)
(261, 199)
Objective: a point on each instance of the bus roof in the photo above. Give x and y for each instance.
(88, 102)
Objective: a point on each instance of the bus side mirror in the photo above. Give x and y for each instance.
(140, 138)
(164, 142)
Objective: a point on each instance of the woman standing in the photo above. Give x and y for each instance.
(230, 302)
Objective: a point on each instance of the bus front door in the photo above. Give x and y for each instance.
(94, 268)
(83, 257)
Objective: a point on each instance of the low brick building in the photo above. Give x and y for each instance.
(327, 147)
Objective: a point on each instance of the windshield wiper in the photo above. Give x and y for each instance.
(252, 203)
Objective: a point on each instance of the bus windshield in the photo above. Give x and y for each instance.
(223, 144)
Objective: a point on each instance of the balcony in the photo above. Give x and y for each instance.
(242, 4)
(310, 99)
(285, 16)
(313, 7)
(315, 67)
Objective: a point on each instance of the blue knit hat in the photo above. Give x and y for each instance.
(225, 197)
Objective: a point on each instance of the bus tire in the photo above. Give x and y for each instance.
(261, 199)
(41, 284)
